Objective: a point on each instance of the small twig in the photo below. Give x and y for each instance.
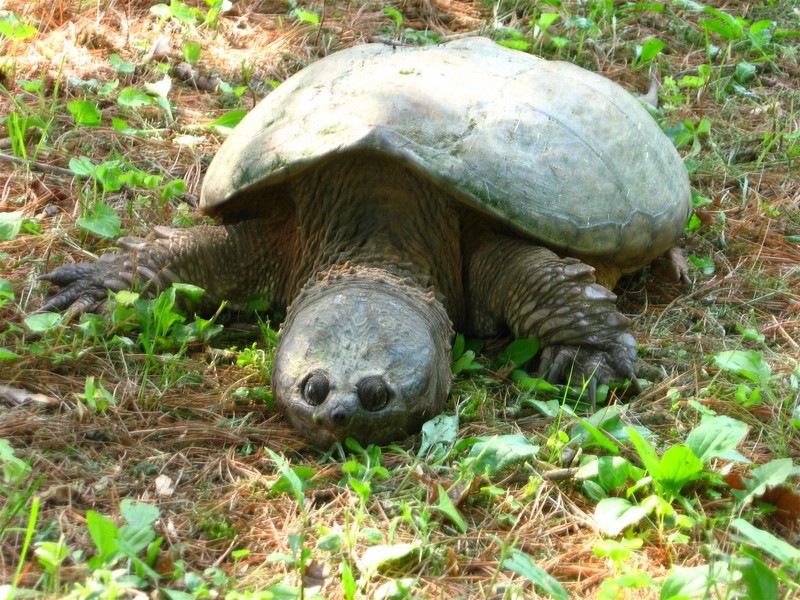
(37, 166)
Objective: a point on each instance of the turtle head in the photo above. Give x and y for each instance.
(362, 355)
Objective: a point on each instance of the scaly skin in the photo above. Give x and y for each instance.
(535, 293)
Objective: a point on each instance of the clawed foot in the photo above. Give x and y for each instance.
(615, 362)
(84, 287)
(672, 267)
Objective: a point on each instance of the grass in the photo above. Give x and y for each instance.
(142, 451)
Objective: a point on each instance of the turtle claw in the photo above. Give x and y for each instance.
(591, 365)
(84, 286)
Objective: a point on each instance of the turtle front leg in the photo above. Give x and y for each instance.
(229, 262)
(535, 293)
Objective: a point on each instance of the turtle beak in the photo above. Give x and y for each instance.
(336, 413)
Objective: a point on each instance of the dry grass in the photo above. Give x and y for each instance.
(210, 446)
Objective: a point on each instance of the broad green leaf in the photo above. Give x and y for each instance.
(191, 52)
(133, 540)
(378, 556)
(614, 515)
(188, 579)
(526, 383)
(520, 351)
(614, 471)
(121, 66)
(747, 397)
(192, 292)
(108, 88)
(466, 362)
(744, 72)
(587, 435)
(721, 27)
(102, 221)
(649, 50)
(646, 452)
(371, 535)
(716, 437)
(679, 466)
(10, 225)
(284, 486)
(104, 534)
(13, 29)
(522, 564)
(161, 11)
(42, 322)
(704, 264)
(767, 542)
(172, 189)
(617, 550)
(773, 473)
(295, 483)
(331, 542)
(520, 45)
(362, 488)
(604, 428)
(348, 581)
(177, 10)
(305, 16)
(132, 98)
(494, 453)
(746, 363)
(546, 19)
(759, 579)
(459, 344)
(126, 297)
(121, 125)
(182, 12)
(108, 174)
(692, 582)
(85, 113)
(13, 467)
(6, 354)
(51, 554)
(161, 88)
(448, 509)
(225, 123)
(138, 514)
(438, 435)
(395, 15)
(82, 166)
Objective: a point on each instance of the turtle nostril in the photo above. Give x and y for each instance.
(315, 388)
(373, 393)
(339, 417)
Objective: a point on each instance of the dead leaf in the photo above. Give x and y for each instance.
(20, 396)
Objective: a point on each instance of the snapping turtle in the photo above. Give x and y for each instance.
(385, 195)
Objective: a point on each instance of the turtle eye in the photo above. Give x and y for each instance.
(315, 388)
(373, 393)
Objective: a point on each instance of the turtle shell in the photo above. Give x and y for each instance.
(565, 156)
